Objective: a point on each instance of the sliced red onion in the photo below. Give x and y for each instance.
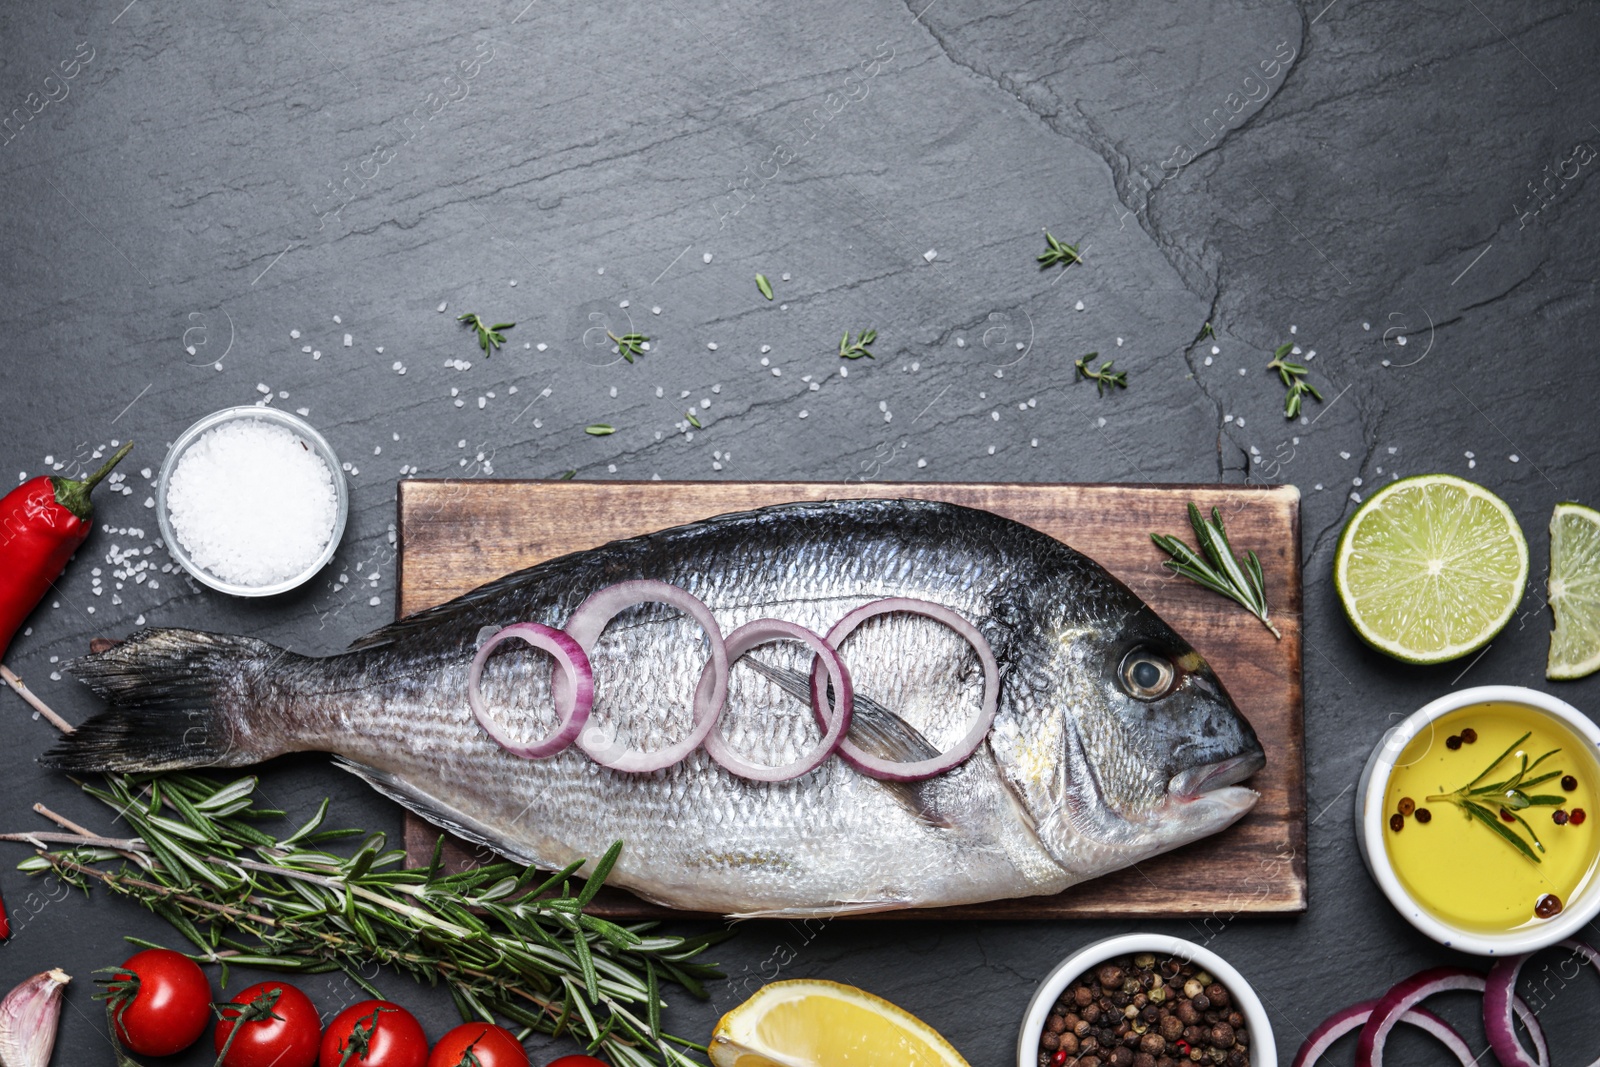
(917, 770)
(573, 700)
(1499, 1003)
(591, 617)
(1342, 1022)
(1409, 992)
(835, 720)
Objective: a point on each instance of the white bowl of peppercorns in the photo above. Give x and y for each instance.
(1145, 1000)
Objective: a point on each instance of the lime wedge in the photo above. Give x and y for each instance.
(1430, 568)
(1574, 591)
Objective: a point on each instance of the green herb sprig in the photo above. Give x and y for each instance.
(489, 337)
(849, 349)
(1219, 570)
(1490, 803)
(693, 419)
(1293, 375)
(629, 344)
(764, 285)
(600, 429)
(1057, 252)
(1104, 377)
(204, 860)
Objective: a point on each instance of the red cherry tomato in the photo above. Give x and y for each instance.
(288, 1038)
(576, 1061)
(374, 1033)
(160, 1001)
(493, 1046)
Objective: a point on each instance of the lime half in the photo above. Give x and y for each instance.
(1574, 592)
(1430, 568)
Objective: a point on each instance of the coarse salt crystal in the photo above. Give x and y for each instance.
(349, 340)
(706, 258)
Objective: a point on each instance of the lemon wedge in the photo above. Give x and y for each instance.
(1574, 591)
(813, 1023)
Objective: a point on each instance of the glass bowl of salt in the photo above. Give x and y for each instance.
(251, 501)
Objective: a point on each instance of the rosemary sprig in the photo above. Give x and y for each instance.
(489, 337)
(629, 344)
(1219, 570)
(693, 419)
(849, 349)
(1057, 252)
(203, 860)
(600, 429)
(1103, 377)
(1498, 804)
(764, 285)
(1293, 375)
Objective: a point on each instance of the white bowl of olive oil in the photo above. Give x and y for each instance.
(1479, 818)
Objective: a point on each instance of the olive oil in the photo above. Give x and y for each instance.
(1464, 871)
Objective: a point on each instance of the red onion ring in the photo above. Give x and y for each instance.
(1345, 1020)
(590, 618)
(1499, 1002)
(917, 770)
(573, 700)
(1408, 992)
(836, 721)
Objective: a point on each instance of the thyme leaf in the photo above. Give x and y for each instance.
(489, 337)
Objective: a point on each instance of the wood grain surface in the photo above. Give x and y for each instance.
(456, 535)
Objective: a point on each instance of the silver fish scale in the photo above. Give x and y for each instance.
(696, 836)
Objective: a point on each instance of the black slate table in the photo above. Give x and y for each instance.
(290, 202)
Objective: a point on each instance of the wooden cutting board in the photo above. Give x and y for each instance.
(456, 535)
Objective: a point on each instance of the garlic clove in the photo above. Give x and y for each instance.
(29, 1017)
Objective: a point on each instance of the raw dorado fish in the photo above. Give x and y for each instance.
(1113, 742)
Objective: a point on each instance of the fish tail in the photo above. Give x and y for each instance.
(180, 698)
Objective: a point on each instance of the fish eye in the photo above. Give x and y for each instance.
(1146, 675)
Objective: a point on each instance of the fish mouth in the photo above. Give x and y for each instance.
(1207, 777)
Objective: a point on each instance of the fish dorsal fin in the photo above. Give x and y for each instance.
(878, 731)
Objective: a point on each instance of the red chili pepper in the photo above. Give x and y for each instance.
(42, 523)
(5, 923)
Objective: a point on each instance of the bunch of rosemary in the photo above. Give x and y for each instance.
(501, 946)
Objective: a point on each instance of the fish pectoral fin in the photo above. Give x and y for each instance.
(877, 731)
(842, 907)
(438, 812)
